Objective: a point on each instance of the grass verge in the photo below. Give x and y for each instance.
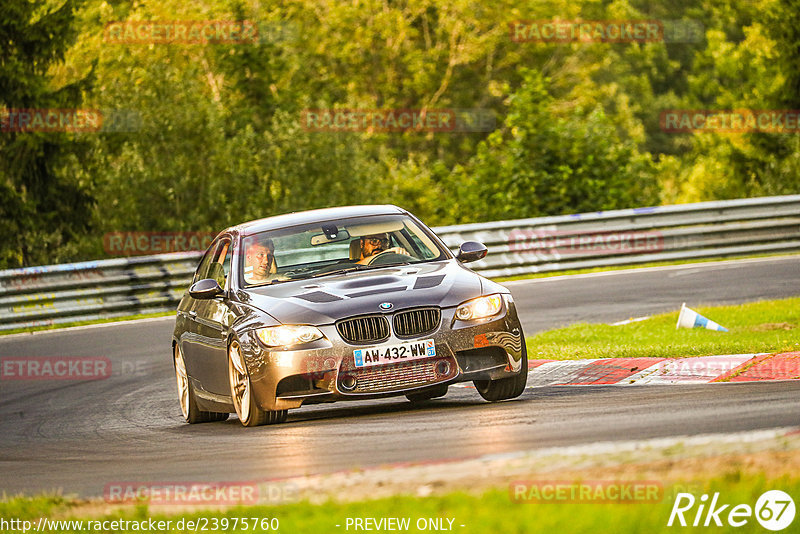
(495, 510)
(766, 326)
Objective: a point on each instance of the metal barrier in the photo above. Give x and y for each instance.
(56, 294)
(724, 228)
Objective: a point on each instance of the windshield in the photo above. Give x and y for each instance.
(335, 247)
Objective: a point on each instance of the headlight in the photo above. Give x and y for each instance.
(288, 334)
(479, 308)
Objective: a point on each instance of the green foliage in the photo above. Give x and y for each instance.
(731, 75)
(548, 161)
(218, 137)
(42, 208)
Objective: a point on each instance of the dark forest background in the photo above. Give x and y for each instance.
(209, 135)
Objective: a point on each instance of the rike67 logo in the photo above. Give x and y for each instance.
(774, 510)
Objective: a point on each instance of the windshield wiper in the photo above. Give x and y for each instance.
(278, 281)
(344, 270)
(395, 264)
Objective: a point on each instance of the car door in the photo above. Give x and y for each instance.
(187, 313)
(213, 319)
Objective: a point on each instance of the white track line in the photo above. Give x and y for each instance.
(634, 270)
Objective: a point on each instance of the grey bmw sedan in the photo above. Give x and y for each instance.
(337, 304)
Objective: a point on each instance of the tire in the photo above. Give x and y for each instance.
(186, 397)
(433, 393)
(249, 412)
(505, 388)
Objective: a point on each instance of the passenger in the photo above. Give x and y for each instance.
(372, 245)
(260, 261)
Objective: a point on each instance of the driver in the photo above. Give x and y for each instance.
(260, 261)
(372, 245)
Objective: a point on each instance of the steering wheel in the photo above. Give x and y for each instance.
(380, 256)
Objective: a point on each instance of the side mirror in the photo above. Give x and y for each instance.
(471, 251)
(207, 288)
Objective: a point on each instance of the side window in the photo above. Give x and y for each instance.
(418, 249)
(202, 268)
(227, 263)
(220, 266)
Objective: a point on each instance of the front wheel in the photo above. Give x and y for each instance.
(249, 412)
(186, 396)
(505, 388)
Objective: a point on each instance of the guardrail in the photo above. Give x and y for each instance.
(83, 291)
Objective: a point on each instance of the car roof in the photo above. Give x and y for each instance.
(313, 216)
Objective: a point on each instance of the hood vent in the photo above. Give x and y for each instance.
(319, 297)
(425, 282)
(378, 291)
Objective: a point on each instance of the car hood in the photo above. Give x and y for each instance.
(327, 299)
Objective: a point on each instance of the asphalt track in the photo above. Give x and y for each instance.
(79, 436)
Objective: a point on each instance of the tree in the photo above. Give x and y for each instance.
(41, 207)
(756, 69)
(549, 161)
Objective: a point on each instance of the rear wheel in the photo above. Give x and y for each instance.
(505, 388)
(433, 393)
(249, 412)
(186, 397)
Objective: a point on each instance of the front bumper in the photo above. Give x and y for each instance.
(324, 370)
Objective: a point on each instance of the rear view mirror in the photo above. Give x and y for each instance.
(205, 289)
(330, 237)
(471, 251)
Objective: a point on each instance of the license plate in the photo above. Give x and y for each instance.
(401, 352)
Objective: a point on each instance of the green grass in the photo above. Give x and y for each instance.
(766, 326)
(83, 323)
(492, 511)
(570, 272)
